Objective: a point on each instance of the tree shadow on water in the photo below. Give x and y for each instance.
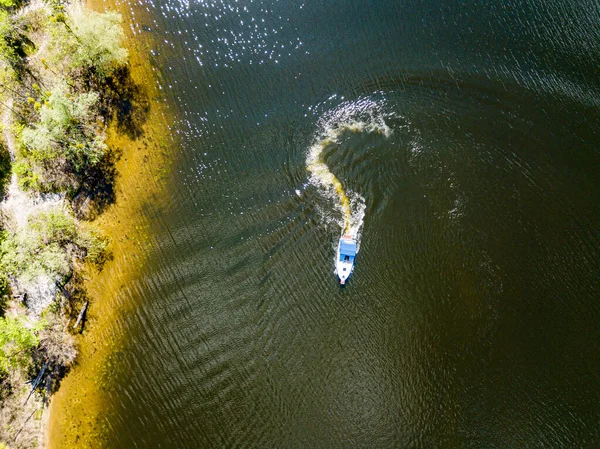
(128, 101)
(127, 105)
(97, 189)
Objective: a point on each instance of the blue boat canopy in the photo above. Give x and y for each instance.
(347, 248)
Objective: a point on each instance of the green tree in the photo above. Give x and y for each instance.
(66, 133)
(95, 41)
(65, 125)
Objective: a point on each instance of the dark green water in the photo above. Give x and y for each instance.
(472, 318)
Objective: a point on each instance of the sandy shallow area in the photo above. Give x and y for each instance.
(77, 408)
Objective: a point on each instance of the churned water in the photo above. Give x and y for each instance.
(459, 139)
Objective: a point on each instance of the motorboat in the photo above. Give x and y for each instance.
(344, 261)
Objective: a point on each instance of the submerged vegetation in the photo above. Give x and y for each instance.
(64, 79)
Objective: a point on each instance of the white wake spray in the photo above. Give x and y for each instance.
(363, 116)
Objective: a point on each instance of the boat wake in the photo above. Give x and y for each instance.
(361, 116)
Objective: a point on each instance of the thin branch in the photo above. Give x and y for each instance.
(23, 426)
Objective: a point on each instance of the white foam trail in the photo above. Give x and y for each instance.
(358, 207)
(363, 116)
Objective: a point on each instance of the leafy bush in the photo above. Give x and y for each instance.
(7, 74)
(40, 248)
(4, 292)
(28, 179)
(4, 286)
(95, 245)
(46, 246)
(16, 343)
(9, 3)
(23, 257)
(14, 43)
(7, 51)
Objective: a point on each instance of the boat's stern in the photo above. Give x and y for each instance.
(344, 263)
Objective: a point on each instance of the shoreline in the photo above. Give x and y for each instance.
(75, 411)
(85, 152)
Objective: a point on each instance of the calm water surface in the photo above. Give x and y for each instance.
(472, 318)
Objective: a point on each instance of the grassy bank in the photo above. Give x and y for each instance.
(73, 159)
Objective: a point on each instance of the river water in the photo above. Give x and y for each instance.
(466, 137)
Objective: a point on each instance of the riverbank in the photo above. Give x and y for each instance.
(76, 410)
(131, 180)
